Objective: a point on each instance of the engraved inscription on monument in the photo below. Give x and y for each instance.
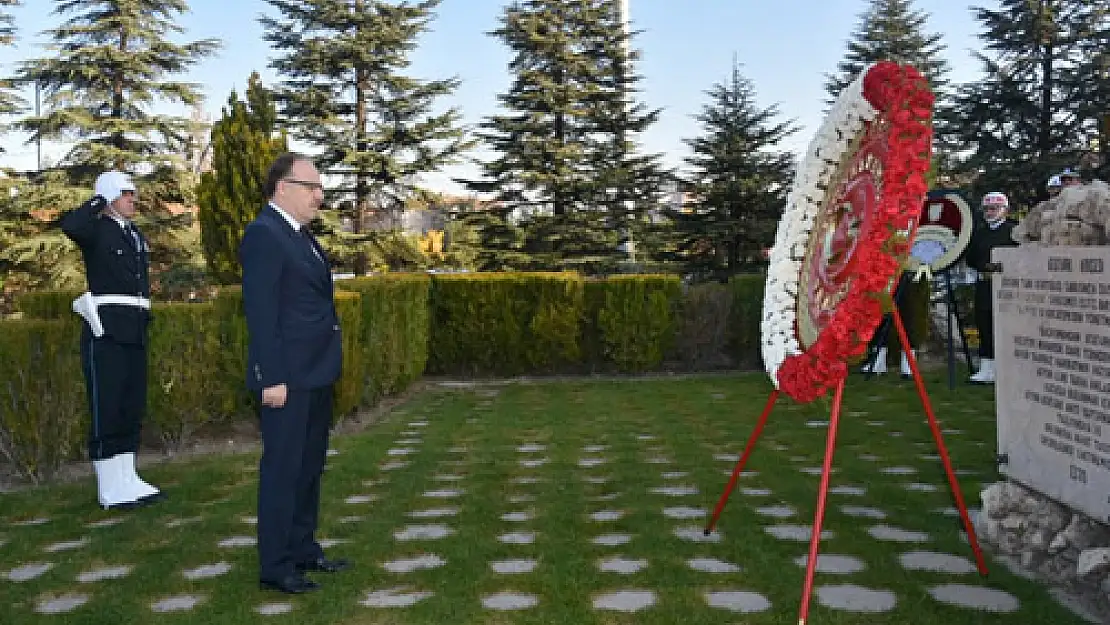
(1052, 353)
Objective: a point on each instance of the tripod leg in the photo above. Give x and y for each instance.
(822, 495)
(933, 425)
(743, 460)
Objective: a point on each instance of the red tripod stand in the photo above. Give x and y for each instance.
(830, 446)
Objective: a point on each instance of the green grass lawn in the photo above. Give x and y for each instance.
(560, 463)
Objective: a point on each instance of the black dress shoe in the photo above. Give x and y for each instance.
(324, 565)
(294, 584)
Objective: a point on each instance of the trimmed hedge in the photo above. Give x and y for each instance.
(47, 304)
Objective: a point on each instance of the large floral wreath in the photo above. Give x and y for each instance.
(890, 105)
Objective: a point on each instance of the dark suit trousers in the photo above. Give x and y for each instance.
(294, 447)
(115, 382)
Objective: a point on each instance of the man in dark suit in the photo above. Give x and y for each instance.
(116, 310)
(293, 361)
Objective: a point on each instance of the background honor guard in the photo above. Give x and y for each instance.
(116, 310)
(995, 231)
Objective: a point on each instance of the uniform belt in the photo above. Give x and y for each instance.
(122, 300)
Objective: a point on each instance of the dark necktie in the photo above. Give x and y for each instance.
(311, 243)
(132, 236)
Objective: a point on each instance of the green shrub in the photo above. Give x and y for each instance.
(504, 323)
(185, 386)
(348, 389)
(394, 331)
(704, 324)
(634, 320)
(43, 408)
(47, 304)
(232, 329)
(745, 320)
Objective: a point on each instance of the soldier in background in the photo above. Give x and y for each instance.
(996, 230)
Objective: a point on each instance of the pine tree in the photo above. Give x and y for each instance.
(739, 182)
(1041, 102)
(10, 100)
(566, 163)
(244, 143)
(890, 30)
(344, 90)
(112, 60)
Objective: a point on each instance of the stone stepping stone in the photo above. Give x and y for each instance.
(521, 498)
(921, 487)
(328, 543)
(863, 512)
(833, 563)
(975, 598)
(755, 492)
(718, 395)
(876, 424)
(621, 565)
(401, 451)
(179, 603)
(696, 534)
(852, 598)
(658, 460)
(611, 540)
(739, 601)
(727, 457)
(597, 479)
(517, 538)
(27, 572)
(930, 457)
(418, 424)
(513, 567)
(101, 574)
(62, 604)
(393, 465)
(594, 449)
(68, 545)
(952, 512)
(424, 562)
(898, 470)
(869, 457)
(433, 513)
(447, 478)
(674, 475)
(897, 534)
(933, 562)
(517, 517)
(358, 499)
(407, 441)
(607, 515)
(799, 533)
(852, 491)
(625, 600)
(799, 459)
(525, 480)
(858, 413)
(207, 571)
(400, 597)
(606, 497)
(645, 437)
(816, 470)
(506, 600)
(531, 448)
(712, 565)
(32, 522)
(683, 512)
(817, 424)
(273, 609)
(102, 523)
(238, 541)
(897, 434)
(433, 531)
(446, 493)
(591, 462)
(776, 512)
(249, 520)
(675, 491)
(533, 463)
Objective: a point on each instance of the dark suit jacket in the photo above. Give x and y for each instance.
(113, 266)
(288, 297)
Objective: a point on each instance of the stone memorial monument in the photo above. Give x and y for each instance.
(1052, 332)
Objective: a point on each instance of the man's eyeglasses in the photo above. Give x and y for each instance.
(311, 186)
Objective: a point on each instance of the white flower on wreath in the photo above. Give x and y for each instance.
(780, 300)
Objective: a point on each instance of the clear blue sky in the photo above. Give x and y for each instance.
(784, 46)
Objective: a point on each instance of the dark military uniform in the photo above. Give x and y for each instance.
(116, 263)
(978, 255)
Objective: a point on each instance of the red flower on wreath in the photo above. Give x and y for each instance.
(904, 102)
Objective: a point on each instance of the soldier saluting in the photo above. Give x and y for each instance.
(116, 310)
(996, 230)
